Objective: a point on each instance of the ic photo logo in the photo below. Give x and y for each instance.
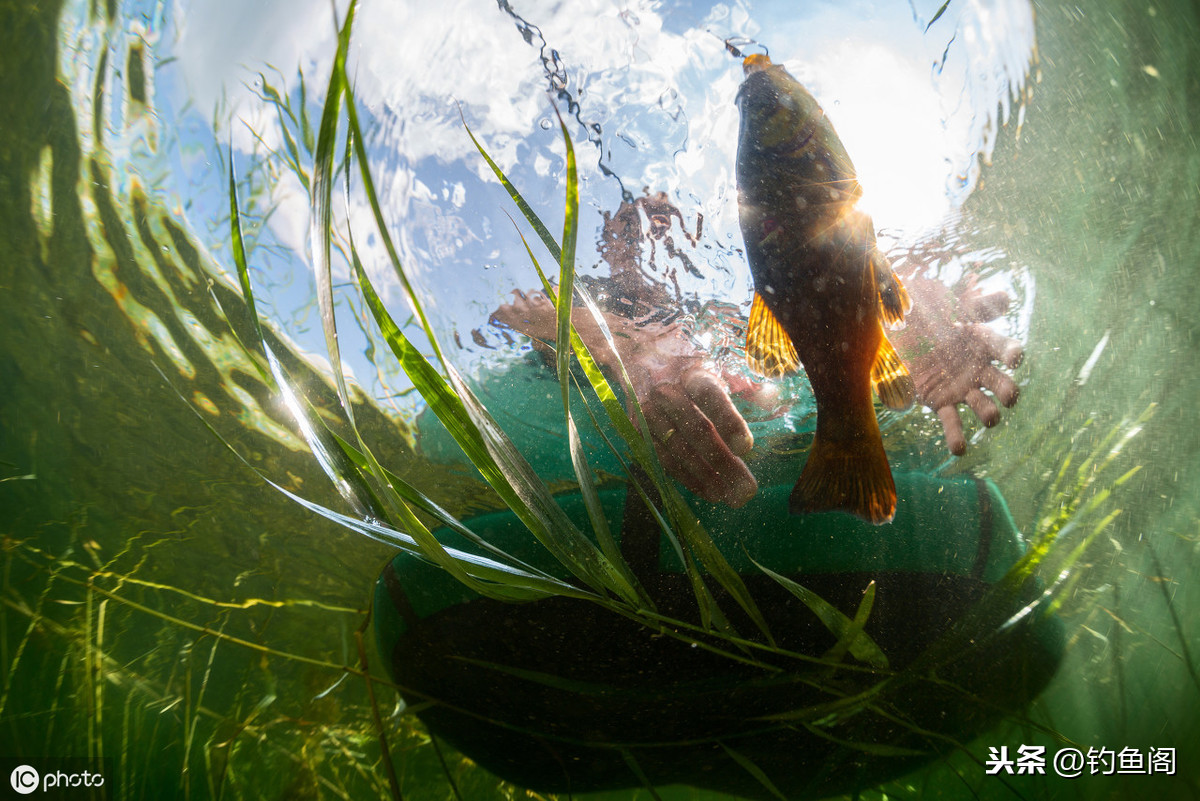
(24, 779)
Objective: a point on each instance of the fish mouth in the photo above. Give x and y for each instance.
(756, 62)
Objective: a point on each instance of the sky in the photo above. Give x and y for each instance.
(917, 102)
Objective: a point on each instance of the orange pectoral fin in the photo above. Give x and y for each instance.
(890, 378)
(894, 302)
(769, 349)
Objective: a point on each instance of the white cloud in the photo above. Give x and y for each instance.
(660, 87)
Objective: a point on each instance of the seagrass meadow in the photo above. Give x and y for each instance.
(224, 328)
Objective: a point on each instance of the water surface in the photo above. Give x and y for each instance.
(166, 610)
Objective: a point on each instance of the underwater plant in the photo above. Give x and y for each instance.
(135, 641)
(852, 698)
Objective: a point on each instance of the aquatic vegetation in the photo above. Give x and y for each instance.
(188, 677)
(847, 704)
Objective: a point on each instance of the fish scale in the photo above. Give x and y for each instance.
(823, 290)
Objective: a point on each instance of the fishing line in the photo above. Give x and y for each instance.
(732, 45)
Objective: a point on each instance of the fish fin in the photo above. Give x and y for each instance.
(769, 349)
(894, 302)
(847, 476)
(890, 378)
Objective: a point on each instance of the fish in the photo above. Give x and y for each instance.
(823, 290)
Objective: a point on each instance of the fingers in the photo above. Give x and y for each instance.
(709, 395)
(693, 451)
(678, 457)
(1003, 387)
(999, 347)
(961, 366)
(518, 309)
(717, 478)
(956, 443)
(529, 314)
(763, 394)
(983, 407)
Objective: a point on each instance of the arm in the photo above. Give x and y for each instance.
(698, 434)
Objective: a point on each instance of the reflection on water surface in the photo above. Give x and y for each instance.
(169, 612)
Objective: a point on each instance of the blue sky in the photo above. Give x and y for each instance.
(916, 108)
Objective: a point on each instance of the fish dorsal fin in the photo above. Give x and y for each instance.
(890, 378)
(769, 350)
(894, 302)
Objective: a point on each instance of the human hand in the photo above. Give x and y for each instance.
(699, 435)
(531, 314)
(951, 354)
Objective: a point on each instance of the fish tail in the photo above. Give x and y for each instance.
(848, 476)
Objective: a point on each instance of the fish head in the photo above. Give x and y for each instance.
(775, 108)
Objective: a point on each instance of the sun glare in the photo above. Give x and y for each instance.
(889, 115)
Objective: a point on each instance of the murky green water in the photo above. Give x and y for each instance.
(166, 610)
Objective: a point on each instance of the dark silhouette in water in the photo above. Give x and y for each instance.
(823, 290)
(561, 695)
